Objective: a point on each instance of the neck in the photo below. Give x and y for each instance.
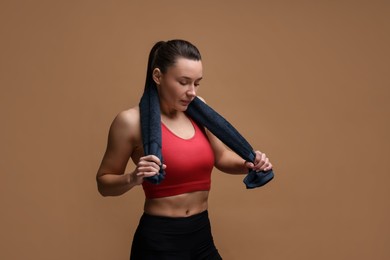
(169, 112)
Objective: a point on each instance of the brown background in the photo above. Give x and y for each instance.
(305, 81)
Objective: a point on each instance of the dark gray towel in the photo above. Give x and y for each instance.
(221, 128)
(205, 116)
(151, 127)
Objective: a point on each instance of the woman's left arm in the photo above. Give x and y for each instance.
(229, 162)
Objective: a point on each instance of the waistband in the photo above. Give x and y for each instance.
(175, 224)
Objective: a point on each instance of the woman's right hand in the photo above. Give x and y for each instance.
(147, 166)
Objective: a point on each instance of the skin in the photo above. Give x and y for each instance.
(176, 87)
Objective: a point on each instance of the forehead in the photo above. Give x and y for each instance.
(186, 68)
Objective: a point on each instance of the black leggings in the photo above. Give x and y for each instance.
(184, 238)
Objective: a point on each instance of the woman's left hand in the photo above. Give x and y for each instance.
(261, 163)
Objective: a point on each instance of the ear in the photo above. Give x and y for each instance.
(157, 76)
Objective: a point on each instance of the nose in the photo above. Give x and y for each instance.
(191, 91)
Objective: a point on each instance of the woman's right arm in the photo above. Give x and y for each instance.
(111, 179)
(123, 135)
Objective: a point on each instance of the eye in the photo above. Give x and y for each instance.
(183, 83)
(197, 83)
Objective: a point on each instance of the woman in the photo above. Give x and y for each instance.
(175, 223)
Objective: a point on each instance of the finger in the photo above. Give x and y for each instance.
(150, 174)
(144, 163)
(264, 166)
(258, 157)
(151, 158)
(259, 165)
(147, 174)
(249, 165)
(147, 169)
(268, 167)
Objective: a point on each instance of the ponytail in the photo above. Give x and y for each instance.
(151, 60)
(164, 54)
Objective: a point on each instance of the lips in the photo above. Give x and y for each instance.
(186, 102)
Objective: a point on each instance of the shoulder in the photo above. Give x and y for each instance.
(129, 117)
(126, 123)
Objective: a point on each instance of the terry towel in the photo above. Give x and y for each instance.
(205, 116)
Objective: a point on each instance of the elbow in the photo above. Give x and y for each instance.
(100, 187)
(218, 163)
(102, 192)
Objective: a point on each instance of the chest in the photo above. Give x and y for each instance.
(183, 128)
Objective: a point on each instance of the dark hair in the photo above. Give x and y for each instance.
(164, 54)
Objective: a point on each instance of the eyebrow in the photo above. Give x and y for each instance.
(188, 78)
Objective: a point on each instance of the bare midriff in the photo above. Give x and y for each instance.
(182, 205)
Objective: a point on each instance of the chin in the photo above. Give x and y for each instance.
(181, 107)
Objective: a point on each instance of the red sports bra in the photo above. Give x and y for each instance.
(189, 164)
